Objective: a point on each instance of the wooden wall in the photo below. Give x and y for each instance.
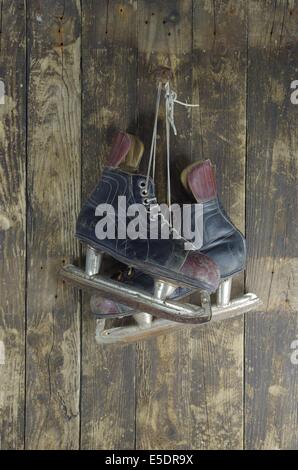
(74, 71)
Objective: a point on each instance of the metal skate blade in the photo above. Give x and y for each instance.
(140, 301)
(161, 326)
(133, 333)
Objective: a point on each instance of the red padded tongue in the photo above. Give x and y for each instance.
(201, 181)
(120, 147)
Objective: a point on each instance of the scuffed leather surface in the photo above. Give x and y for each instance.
(106, 308)
(222, 241)
(197, 262)
(201, 181)
(120, 147)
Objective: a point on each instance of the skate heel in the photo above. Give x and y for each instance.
(223, 294)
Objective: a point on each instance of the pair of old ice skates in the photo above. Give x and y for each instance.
(156, 274)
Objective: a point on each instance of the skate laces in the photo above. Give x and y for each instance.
(152, 155)
(170, 100)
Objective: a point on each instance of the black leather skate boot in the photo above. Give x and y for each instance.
(163, 259)
(222, 241)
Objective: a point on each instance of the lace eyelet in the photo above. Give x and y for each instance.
(144, 192)
(142, 184)
(146, 201)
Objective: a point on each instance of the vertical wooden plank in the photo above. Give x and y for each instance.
(163, 368)
(219, 133)
(53, 321)
(109, 103)
(188, 396)
(12, 221)
(271, 379)
(165, 40)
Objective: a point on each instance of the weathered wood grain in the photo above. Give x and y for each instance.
(53, 313)
(165, 40)
(12, 222)
(109, 103)
(183, 390)
(271, 379)
(219, 133)
(163, 369)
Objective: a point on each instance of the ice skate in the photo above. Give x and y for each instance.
(222, 242)
(164, 260)
(161, 273)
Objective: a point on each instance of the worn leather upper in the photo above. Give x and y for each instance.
(164, 258)
(222, 241)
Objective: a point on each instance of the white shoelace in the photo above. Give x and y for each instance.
(170, 100)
